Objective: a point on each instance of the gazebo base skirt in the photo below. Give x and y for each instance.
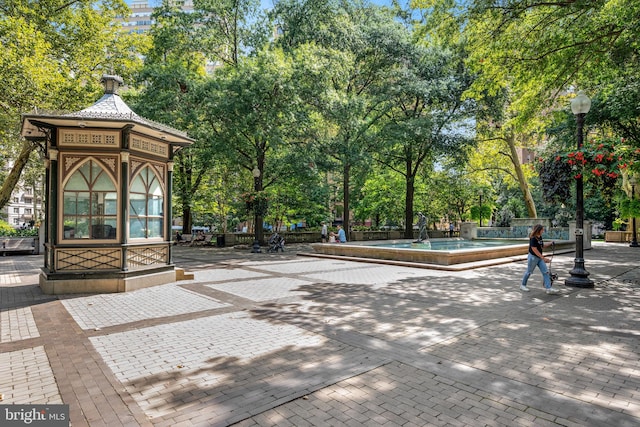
(104, 282)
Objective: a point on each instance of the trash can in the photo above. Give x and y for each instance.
(220, 241)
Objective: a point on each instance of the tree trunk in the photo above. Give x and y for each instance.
(408, 210)
(186, 219)
(13, 178)
(257, 209)
(345, 190)
(186, 194)
(522, 181)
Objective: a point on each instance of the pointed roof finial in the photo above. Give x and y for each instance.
(111, 83)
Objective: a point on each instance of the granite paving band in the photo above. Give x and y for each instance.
(282, 340)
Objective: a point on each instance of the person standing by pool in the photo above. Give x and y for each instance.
(324, 232)
(536, 258)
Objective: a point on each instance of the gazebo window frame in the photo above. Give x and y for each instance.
(146, 204)
(90, 206)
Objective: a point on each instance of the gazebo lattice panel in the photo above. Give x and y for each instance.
(88, 259)
(146, 256)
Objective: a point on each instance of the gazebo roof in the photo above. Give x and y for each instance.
(109, 112)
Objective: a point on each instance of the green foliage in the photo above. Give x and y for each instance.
(381, 199)
(7, 230)
(618, 223)
(53, 54)
(600, 162)
(351, 96)
(607, 158)
(629, 208)
(485, 211)
(556, 180)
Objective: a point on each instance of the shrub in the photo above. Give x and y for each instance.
(6, 230)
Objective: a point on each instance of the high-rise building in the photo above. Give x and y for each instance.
(24, 210)
(140, 19)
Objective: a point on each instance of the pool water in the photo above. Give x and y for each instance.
(451, 245)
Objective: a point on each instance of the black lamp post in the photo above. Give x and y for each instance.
(257, 216)
(634, 240)
(580, 106)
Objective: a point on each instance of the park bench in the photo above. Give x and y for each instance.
(18, 245)
(202, 242)
(185, 239)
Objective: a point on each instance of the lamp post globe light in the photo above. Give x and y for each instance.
(580, 106)
(634, 240)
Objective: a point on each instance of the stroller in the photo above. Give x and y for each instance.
(276, 242)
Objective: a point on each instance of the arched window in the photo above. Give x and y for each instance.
(90, 204)
(146, 205)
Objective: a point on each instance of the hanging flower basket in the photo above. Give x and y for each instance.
(606, 158)
(600, 161)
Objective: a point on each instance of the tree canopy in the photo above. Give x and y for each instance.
(342, 105)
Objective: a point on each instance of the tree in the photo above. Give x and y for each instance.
(545, 50)
(173, 67)
(70, 44)
(227, 30)
(379, 200)
(249, 113)
(359, 43)
(427, 117)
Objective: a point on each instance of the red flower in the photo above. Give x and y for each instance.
(578, 176)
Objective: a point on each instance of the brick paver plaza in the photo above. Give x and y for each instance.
(286, 340)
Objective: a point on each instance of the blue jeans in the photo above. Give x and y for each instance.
(532, 262)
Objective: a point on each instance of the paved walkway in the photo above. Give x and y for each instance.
(280, 340)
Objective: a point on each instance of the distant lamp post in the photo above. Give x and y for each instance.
(580, 106)
(257, 216)
(480, 193)
(634, 240)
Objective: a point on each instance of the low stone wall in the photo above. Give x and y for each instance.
(618, 236)
(520, 229)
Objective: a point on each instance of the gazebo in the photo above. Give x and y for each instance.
(108, 196)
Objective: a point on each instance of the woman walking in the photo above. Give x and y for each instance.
(535, 258)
